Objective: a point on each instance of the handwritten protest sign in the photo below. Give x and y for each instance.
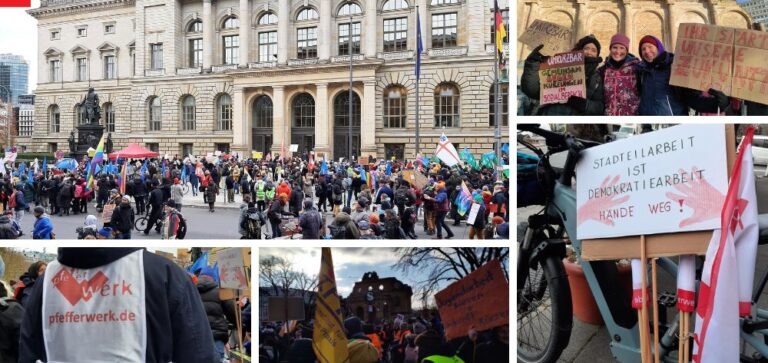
(556, 38)
(562, 76)
(479, 300)
(672, 180)
(415, 178)
(750, 71)
(106, 214)
(473, 214)
(232, 269)
(703, 57)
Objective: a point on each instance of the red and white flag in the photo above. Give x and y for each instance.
(446, 152)
(637, 285)
(686, 283)
(727, 275)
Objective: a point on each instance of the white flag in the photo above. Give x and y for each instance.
(446, 152)
(716, 338)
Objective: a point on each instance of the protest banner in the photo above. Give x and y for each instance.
(562, 76)
(703, 57)
(106, 214)
(671, 180)
(415, 178)
(480, 300)
(232, 273)
(473, 214)
(362, 160)
(750, 71)
(556, 38)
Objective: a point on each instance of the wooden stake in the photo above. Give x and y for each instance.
(680, 337)
(655, 312)
(687, 341)
(646, 353)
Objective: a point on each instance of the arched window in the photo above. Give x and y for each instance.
(349, 9)
(195, 27)
(188, 113)
(224, 113)
(341, 109)
(503, 103)
(395, 106)
(268, 19)
(262, 112)
(395, 5)
(303, 110)
(155, 114)
(307, 14)
(80, 114)
(446, 105)
(109, 117)
(54, 118)
(231, 22)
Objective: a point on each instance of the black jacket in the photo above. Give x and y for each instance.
(156, 198)
(219, 312)
(122, 218)
(177, 330)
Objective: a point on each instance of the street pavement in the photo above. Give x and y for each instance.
(590, 343)
(201, 224)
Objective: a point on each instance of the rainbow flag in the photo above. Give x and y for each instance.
(463, 199)
(98, 158)
(122, 178)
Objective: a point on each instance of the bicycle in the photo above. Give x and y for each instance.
(543, 292)
(140, 224)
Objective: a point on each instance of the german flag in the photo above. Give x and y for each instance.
(501, 32)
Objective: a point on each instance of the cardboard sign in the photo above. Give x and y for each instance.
(285, 308)
(750, 71)
(703, 57)
(672, 180)
(479, 300)
(257, 155)
(562, 76)
(106, 214)
(556, 38)
(232, 269)
(294, 148)
(416, 178)
(473, 214)
(362, 160)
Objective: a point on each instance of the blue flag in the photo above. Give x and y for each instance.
(419, 46)
(505, 149)
(22, 169)
(143, 171)
(30, 176)
(323, 168)
(45, 164)
(183, 173)
(163, 170)
(201, 263)
(389, 168)
(362, 174)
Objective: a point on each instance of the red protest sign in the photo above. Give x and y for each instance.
(15, 3)
(480, 300)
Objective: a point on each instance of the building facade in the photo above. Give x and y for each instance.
(634, 18)
(374, 298)
(758, 9)
(14, 77)
(188, 76)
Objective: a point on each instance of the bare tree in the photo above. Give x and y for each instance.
(444, 264)
(281, 276)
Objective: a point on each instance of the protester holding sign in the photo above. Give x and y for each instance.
(622, 98)
(591, 105)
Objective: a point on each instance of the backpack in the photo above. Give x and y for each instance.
(401, 196)
(11, 314)
(252, 225)
(318, 190)
(182, 232)
(338, 232)
(79, 191)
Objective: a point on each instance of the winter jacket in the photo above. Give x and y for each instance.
(24, 288)
(296, 200)
(6, 228)
(440, 201)
(493, 351)
(343, 220)
(21, 203)
(658, 98)
(177, 193)
(139, 188)
(43, 228)
(530, 85)
(218, 312)
(122, 218)
(311, 222)
(177, 330)
(620, 92)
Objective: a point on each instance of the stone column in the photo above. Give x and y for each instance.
(322, 124)
(368, 120)
(283, 25)
(208, 29)
(475, 19)
(324, 31)
(240, 141)
(629, 24)
(245, 32)
(371, 26)
(581, 20)
(672, 26)
(280, 123)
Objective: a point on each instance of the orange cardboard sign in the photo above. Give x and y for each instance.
(480, 300)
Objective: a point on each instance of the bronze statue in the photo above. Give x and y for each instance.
(71, 141)
(90, 107)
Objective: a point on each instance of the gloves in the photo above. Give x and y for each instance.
(577, 103)
(722, 99)
(535, 55)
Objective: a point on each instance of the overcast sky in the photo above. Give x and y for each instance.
(18, 35)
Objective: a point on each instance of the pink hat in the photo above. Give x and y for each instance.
(620, 39)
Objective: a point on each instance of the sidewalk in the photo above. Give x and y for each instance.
(197, 201)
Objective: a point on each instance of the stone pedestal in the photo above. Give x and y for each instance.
(88, 136)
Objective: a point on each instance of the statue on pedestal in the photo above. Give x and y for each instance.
(90, 107)
(71, 140)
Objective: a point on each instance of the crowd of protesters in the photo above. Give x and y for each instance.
(288, 196)
(628, 85)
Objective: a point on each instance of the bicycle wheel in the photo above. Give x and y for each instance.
(141, 224)
(544, 313)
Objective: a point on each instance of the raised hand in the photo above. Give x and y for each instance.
(699, 195)
(591, 209)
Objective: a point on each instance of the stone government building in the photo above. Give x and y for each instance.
(634, 18)
(193, 76)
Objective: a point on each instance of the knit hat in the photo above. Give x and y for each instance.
(105, 232)
(362, 351)
(353, 325)
(587, 40)
(374, 218)
(653, 40)
(620, 39)
(363, 225)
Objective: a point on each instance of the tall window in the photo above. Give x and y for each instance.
(307, 14)
(395, 34)
(156, 56)
(188, 113)
(54, 118)
(344, 36)
(306, 42)
(444, 31)
(195, 27)
(303, 111)
(195, 52)
(503, 103)
(231, 23)
(224, 113)
(395, 5)
(80, 115)
(109, 67)
(155, 114)
(267, 46)
(395, 106)
(109, 117)
(349, 9)
(268, 19)
(55, 71)
(81, 69)
(446, 105)
(231, 49)
(186, 149)
(262, 112)
(341, 109)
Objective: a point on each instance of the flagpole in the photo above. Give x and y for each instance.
(496, 118)
(349, 135)
(418, 76)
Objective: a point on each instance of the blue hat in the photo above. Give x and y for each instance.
(105, 232)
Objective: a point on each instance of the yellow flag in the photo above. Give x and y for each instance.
(328, 339)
